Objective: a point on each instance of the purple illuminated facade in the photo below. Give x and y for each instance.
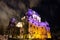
(35, 19)
(12, 22)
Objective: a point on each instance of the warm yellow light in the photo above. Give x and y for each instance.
(23, 18)
(29, 36)
(38, 32)
(49, 35)
(19, 24)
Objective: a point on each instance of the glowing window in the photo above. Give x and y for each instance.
(30, 25)
(34, 26)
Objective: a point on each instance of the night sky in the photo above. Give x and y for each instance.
(48, 10)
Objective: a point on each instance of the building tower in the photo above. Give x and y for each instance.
(37, 28)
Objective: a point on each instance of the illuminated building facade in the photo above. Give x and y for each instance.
(36, 28)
